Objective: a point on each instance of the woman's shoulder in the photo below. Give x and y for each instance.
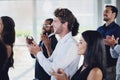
(95, 74)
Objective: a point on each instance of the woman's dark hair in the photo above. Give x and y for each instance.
(95, 51)
(66, 15)
(8, 34)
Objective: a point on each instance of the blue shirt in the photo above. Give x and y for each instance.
(111, 29)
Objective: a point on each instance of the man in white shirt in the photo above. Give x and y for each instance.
(65, 54)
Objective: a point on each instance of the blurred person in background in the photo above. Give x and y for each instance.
(3, 59)
(7, 36)
(47, 43)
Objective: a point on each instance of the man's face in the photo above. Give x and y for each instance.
(57, 25)
(47, 27)
(108, 15)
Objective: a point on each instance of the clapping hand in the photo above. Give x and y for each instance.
(34, 48)
(111, 40)
(60, 74)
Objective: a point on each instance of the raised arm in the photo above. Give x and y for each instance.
(112, 42)
(67, 57)
(115, 52)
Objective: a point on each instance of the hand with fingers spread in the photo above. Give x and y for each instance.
(111, 40)
(34, 48)
(60, 74)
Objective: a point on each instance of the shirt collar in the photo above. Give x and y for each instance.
(51, 34)
(110, 25)
(66, 37)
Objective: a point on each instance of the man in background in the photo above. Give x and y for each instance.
(47, 43)
(110, 28)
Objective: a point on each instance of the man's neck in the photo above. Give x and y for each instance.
(109, 22)
(63, 34)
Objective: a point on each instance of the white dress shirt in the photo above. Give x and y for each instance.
(64, 56)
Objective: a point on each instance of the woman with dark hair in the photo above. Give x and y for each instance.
(92, 47)
(7, 34)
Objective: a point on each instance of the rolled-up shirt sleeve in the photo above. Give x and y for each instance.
(115, 52)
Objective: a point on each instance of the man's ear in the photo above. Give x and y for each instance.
(114, 14)
(65, 24)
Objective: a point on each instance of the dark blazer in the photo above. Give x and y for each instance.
(3, 62)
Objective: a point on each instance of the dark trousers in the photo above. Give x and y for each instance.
(117, 76)
(111, 73)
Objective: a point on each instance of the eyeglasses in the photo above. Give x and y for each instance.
(46, 25)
